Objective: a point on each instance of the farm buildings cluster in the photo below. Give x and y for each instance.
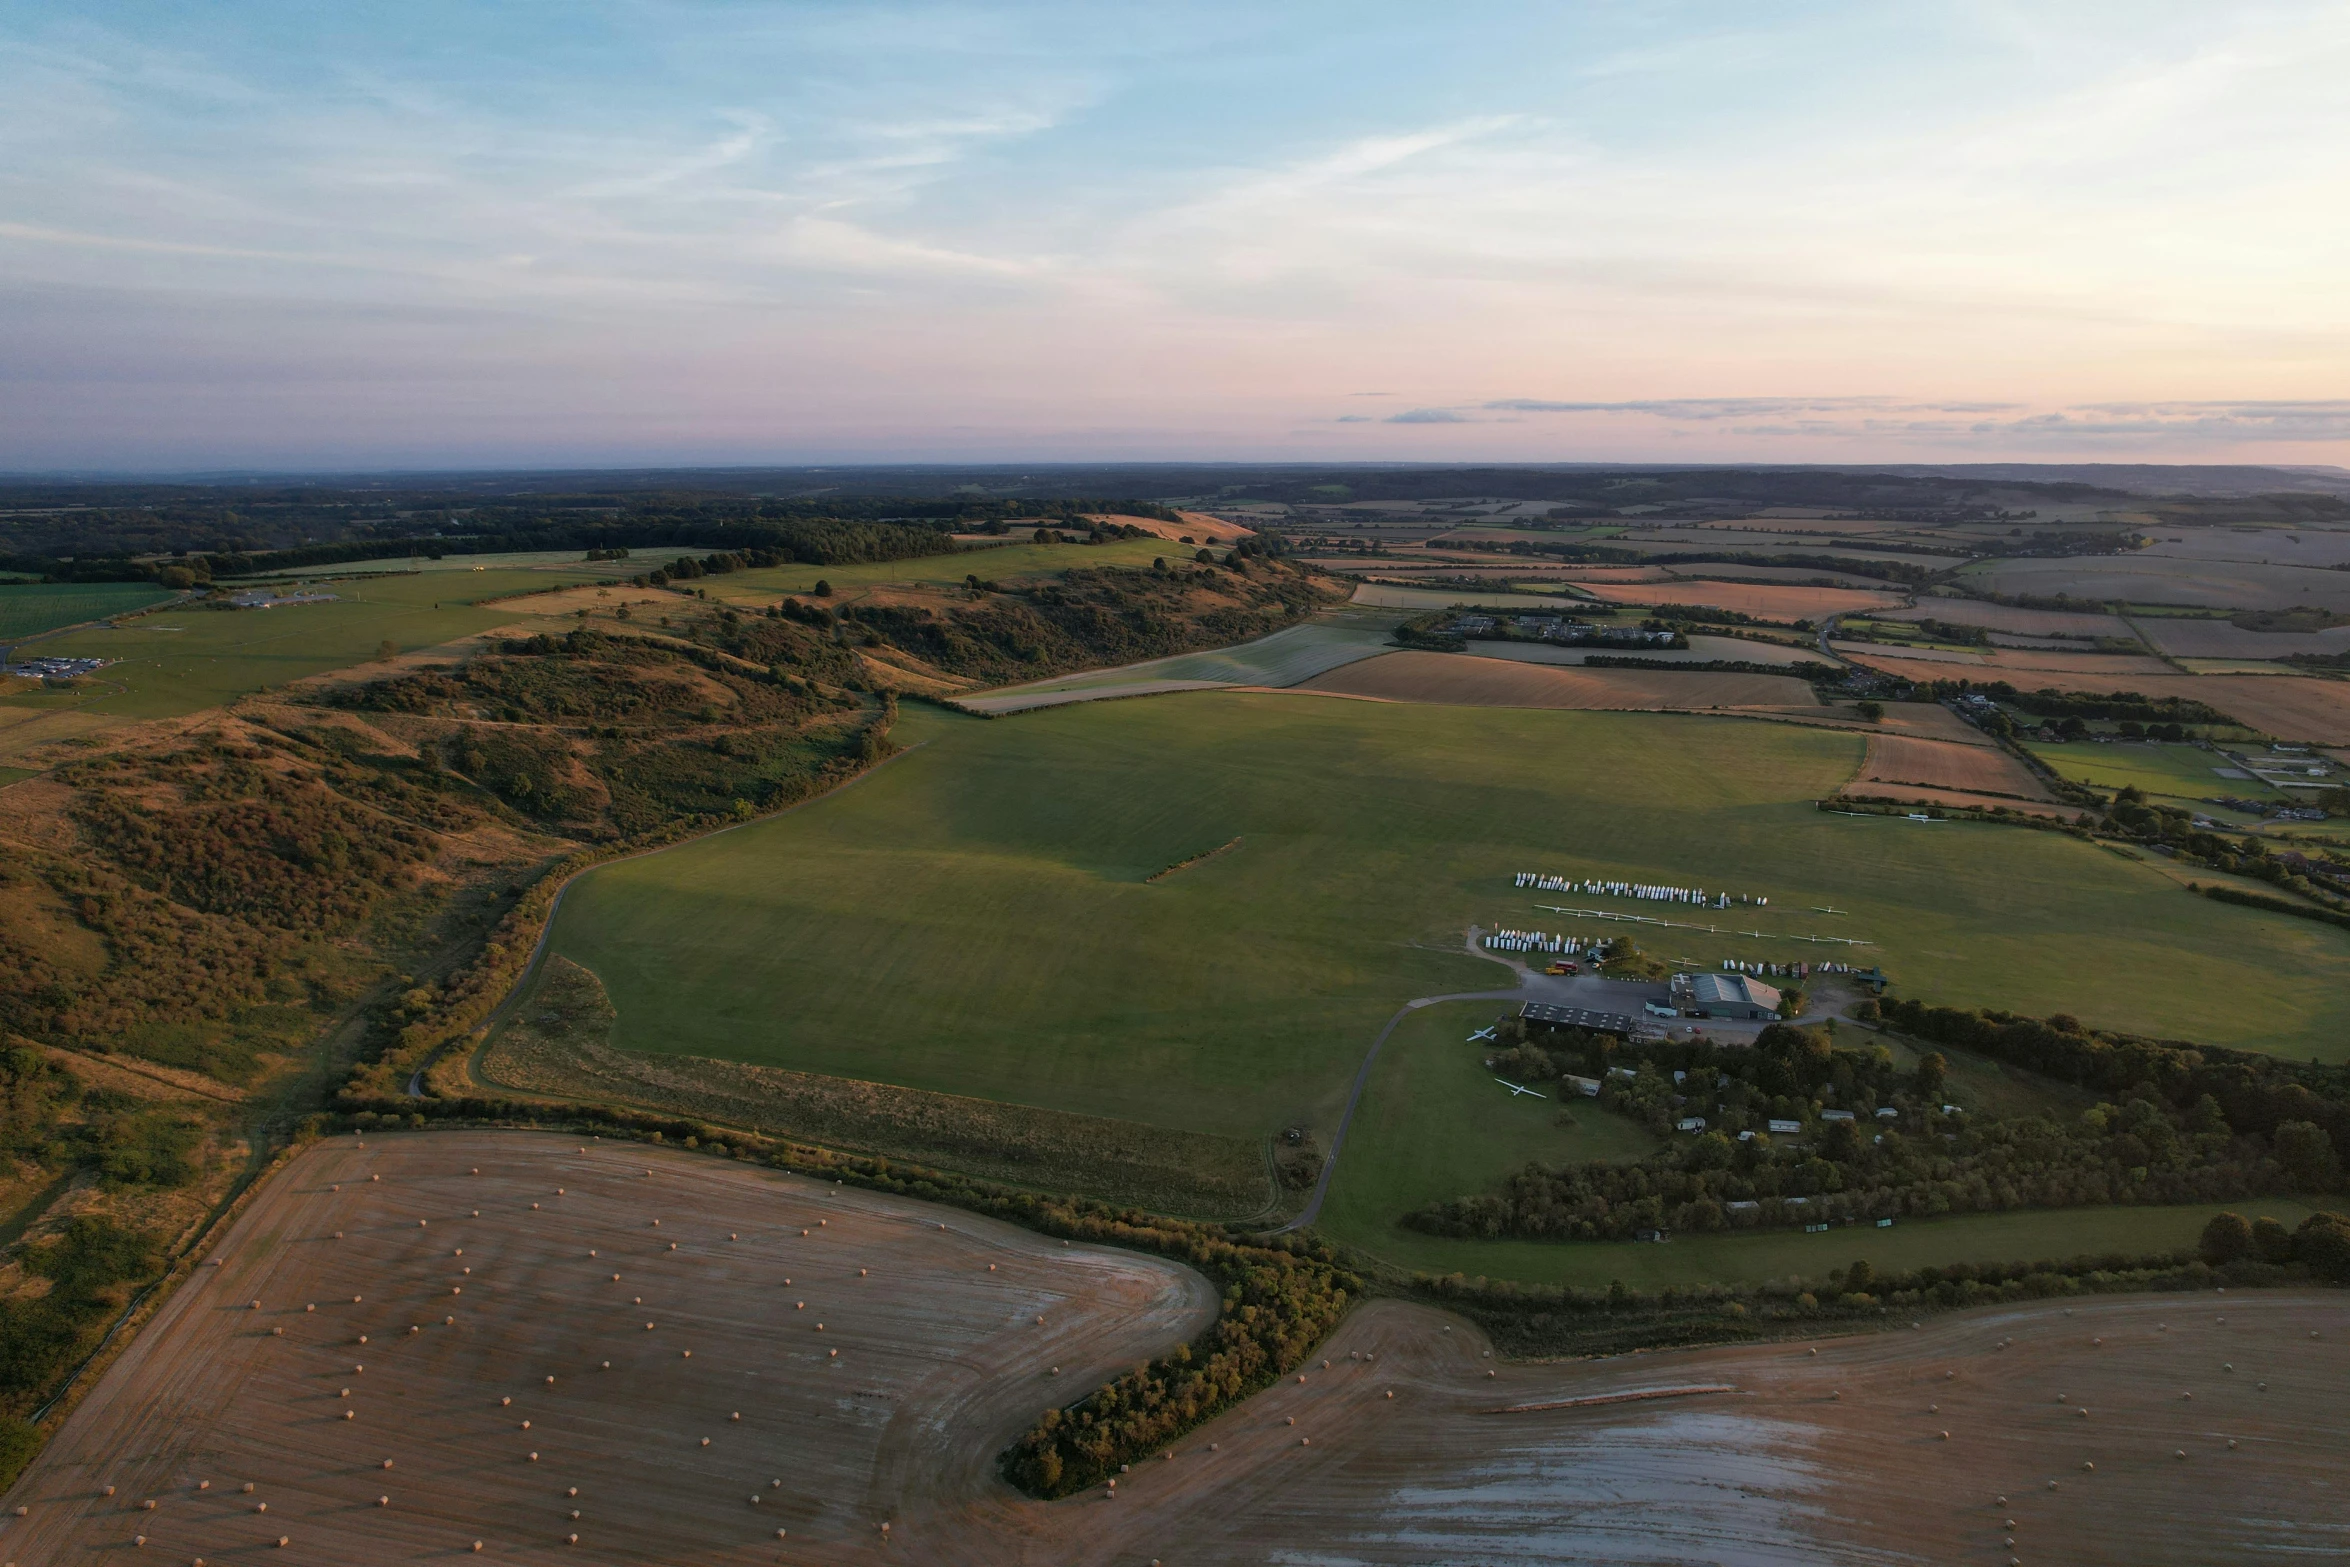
(1559, 629)
(1696, 897)
(54, 668)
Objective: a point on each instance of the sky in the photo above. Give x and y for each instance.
(267, 234)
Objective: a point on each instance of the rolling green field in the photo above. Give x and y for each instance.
(30, 608)
(994, 878)
(194, 658)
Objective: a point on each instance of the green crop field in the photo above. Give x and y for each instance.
(565, 561)
(2179, 772)
(193, 658)
(30, 608)
(995, 878)
(993, 563)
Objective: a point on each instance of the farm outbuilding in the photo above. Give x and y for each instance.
(1725, 996)
(1576, 1017)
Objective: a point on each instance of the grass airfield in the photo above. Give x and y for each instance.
(995, 878)
(190, 658)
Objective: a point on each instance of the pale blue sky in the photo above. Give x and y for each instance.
(259, 234)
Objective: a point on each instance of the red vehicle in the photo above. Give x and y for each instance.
(1562, 968)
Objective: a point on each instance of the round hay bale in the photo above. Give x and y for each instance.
(705, 1441)
(387, 1463)
(383, 1501)
(534, 1458)
(686, 1353)
(737, 1415)
(2088, 1468)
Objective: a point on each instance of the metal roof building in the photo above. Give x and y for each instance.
(1576, 1017)
(1725, 996)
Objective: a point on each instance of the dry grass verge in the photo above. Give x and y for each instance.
(557, 1046)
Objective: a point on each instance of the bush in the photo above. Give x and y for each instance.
(2323, 1244)
(2226, 1238)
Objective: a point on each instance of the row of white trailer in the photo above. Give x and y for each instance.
(1534, 941)
(1784, 970)
(1653, 892)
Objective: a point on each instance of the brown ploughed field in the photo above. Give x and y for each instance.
(1938, 764)
(1493, 682)
(2214, 1424)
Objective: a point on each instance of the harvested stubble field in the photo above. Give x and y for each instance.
(559, 1048)
(2300, 708)
(1489, 682)
(1402, 1442)
(1936, 765)
(2157, 579)
(1769, 601)
(2025, 667)
(2009, 618)
(891, 1411)
(2190, 636)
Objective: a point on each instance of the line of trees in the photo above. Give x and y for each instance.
(2175, 1131)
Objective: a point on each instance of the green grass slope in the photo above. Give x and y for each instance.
(975, 918)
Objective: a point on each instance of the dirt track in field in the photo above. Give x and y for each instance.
(1835, 1456)
(1492, 682)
